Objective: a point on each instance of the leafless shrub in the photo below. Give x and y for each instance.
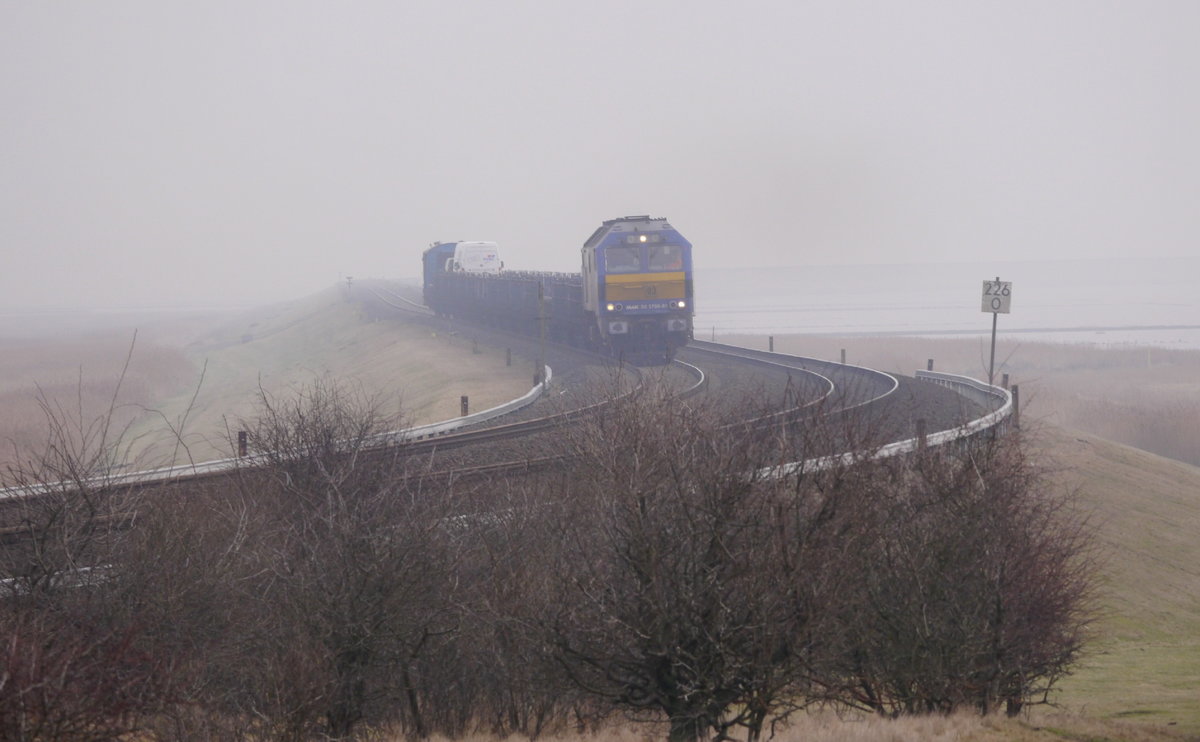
(67, 675)
(669, 571)
(72, 667)
(674, 562)
(973, 587)
(693, 584)
(352, 570)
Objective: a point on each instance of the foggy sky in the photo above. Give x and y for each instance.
(242, 152)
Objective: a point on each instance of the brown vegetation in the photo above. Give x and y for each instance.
(667, 575)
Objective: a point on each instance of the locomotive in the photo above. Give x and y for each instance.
(632, 298)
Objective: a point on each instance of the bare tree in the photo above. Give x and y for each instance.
(355, 563)
(671, 597)
(73, 668)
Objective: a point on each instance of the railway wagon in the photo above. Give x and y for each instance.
(632, 298)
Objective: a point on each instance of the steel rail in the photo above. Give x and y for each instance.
(886, 384)
(998, 398)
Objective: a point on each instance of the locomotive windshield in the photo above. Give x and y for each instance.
(623, 259)
(665, 258)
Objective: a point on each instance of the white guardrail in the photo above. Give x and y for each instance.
(421, 432)
(994, 398)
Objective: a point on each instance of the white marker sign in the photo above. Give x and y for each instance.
(997, 296)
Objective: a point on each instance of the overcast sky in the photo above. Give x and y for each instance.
(242, 151)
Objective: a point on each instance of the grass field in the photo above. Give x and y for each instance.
(1145, 661)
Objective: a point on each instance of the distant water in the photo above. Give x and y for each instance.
(1113, 303)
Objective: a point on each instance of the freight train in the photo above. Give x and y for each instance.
(632, 298)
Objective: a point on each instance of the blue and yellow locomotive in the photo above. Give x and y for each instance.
(632, 298)
(637, 285)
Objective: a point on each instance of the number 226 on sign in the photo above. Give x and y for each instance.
(997, 296)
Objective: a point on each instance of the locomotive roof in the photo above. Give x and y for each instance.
(639, 223)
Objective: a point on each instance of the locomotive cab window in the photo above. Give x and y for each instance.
(665, 258)
(622, 260)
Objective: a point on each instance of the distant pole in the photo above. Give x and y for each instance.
(997, 298)
(349, 284)
(464, 404)
(771, 343)
(843, 356)
(929, 364)
(541, 369)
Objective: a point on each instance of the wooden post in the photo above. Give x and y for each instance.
(771, 343)
(242, 443)
(1016, 394)
(921, 439)
(929, 365)
(843, 356)
(508, 356)
(465, 405)
(1004, 381)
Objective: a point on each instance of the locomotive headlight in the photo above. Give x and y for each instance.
(681, 304)
(643, 238)
(610, 306)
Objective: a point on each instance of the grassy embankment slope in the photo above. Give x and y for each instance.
(1145, 661)
(415, 375)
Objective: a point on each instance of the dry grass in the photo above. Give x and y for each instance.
(411, 372)
(830, 727)
(280, 348)
(80, 375)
